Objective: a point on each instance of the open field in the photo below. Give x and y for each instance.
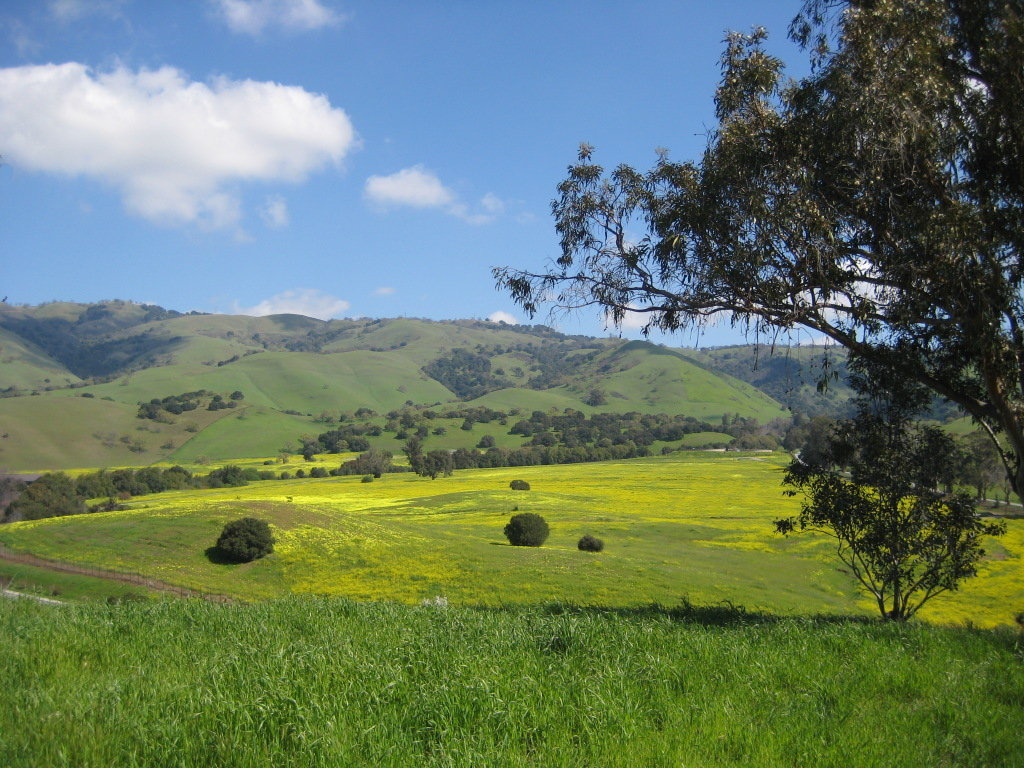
(310, 682)
(696, 526)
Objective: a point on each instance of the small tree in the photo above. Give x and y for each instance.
(588, 543)
(899, 533)
(436, 463)
(527, 530)
(519, 485)
(245, 540)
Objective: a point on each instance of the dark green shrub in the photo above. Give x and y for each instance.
(318, 472)
(285, 475)
(527, 530)
(245, 540)
(519, 485)
(588, 543)
(367, 479)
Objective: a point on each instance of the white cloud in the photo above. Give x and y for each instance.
(68, 11)
(492, 204)
(302, 301)
(631, 321)
(384, 290)
(502, 317)
(251, 17)
(175, 149)
(417, 187)
(275, 212)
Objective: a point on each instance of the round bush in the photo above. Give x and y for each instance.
(367, 479)
(519, 485)
(245, 540)
(527, 530)
(588, 543)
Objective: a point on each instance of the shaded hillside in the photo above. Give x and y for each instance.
(806, 379)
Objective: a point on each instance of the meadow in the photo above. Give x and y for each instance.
(311, 682)
(693, 525)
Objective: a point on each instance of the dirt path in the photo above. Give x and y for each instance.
(125, 578)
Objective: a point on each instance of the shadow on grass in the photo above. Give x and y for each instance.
(216, 556)
(723, 614)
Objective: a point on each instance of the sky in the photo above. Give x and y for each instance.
(334, 158)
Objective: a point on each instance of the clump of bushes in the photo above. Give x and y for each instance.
(527, 530)
(588, 543)
(367, 479)
(519, 485)
(245, 540)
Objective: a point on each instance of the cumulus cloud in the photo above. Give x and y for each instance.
(302, 301)
(174, 148)
(252, 17)
(502, 317)
(275, 212)
(417, 187)
(384, 290)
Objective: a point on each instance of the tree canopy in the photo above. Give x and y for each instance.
(878, 201)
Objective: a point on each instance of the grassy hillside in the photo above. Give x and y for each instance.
(789, 374)
(697, 525)
(91, 365)
(23, 366)
(321, 683)
(639, 376)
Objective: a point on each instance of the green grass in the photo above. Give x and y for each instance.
(320, 682)
(691, 524)
(43, 582)
(249, 432)
(297, 381)
(701, 439)
(24, 366)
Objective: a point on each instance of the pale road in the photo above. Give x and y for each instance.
(10, 593)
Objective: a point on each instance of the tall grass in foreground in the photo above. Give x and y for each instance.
(317, 682)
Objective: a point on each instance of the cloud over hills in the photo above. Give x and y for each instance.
(310, 302)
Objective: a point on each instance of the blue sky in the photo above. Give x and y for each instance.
(327, 157)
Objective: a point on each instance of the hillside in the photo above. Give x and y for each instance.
(74, 376)
(790, 375)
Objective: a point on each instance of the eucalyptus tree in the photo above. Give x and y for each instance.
(878, 201)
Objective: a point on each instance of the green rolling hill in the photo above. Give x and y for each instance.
(74, 376)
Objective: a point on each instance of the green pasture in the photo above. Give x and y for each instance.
(56, 585)
(320, 683)
(701, 439)
(692, 525)
(246, 432)
(295, 381)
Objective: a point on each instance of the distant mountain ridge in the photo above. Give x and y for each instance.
(73, 376)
